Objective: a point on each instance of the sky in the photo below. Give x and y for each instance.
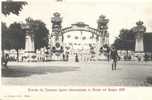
(120, 14)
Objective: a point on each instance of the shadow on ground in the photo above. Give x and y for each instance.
(22, 71)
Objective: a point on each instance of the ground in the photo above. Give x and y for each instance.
(96, 73)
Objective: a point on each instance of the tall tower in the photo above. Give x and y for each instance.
(56, 35)
(56, 28)
(102, 26)
(139, 30)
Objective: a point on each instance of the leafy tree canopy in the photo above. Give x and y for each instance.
(13, 37)
(5, 36)
(38, 28)
(126, 40)
(14, 7)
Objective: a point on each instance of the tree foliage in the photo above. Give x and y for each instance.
(126, 40)
(14, 7)
(13, 37)
(17, 36)
(5, 37)
(38, 28)
(147, 42)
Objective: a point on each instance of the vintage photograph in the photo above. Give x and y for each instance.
(76, 43)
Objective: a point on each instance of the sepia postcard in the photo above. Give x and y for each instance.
(76, 49)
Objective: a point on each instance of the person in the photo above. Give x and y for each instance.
(67, 57)
(76, 58)
(151, 56)
(5, 60)
(114, 57)
(139, 58)
(108, 55)
(63, 57)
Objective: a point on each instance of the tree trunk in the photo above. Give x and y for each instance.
(17, 54)
(2, 56)
(2, 52)
(127, 55)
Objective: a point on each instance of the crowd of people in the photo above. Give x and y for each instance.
(113, 54)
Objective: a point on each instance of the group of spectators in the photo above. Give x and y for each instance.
(144, 57)
(65, 57)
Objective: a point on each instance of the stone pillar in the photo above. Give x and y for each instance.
(29, 43)
(139, 30)
(139, 45)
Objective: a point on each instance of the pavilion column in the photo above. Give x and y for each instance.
(102, 26)
(56, 28)
(56, 36)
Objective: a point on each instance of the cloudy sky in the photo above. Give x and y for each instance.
(121, 14)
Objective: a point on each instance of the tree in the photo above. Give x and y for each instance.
(125, 41)
(9, 7)
(38, 28)
(12, 7)
(147, 42)
(17, 37)
(13, 37)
